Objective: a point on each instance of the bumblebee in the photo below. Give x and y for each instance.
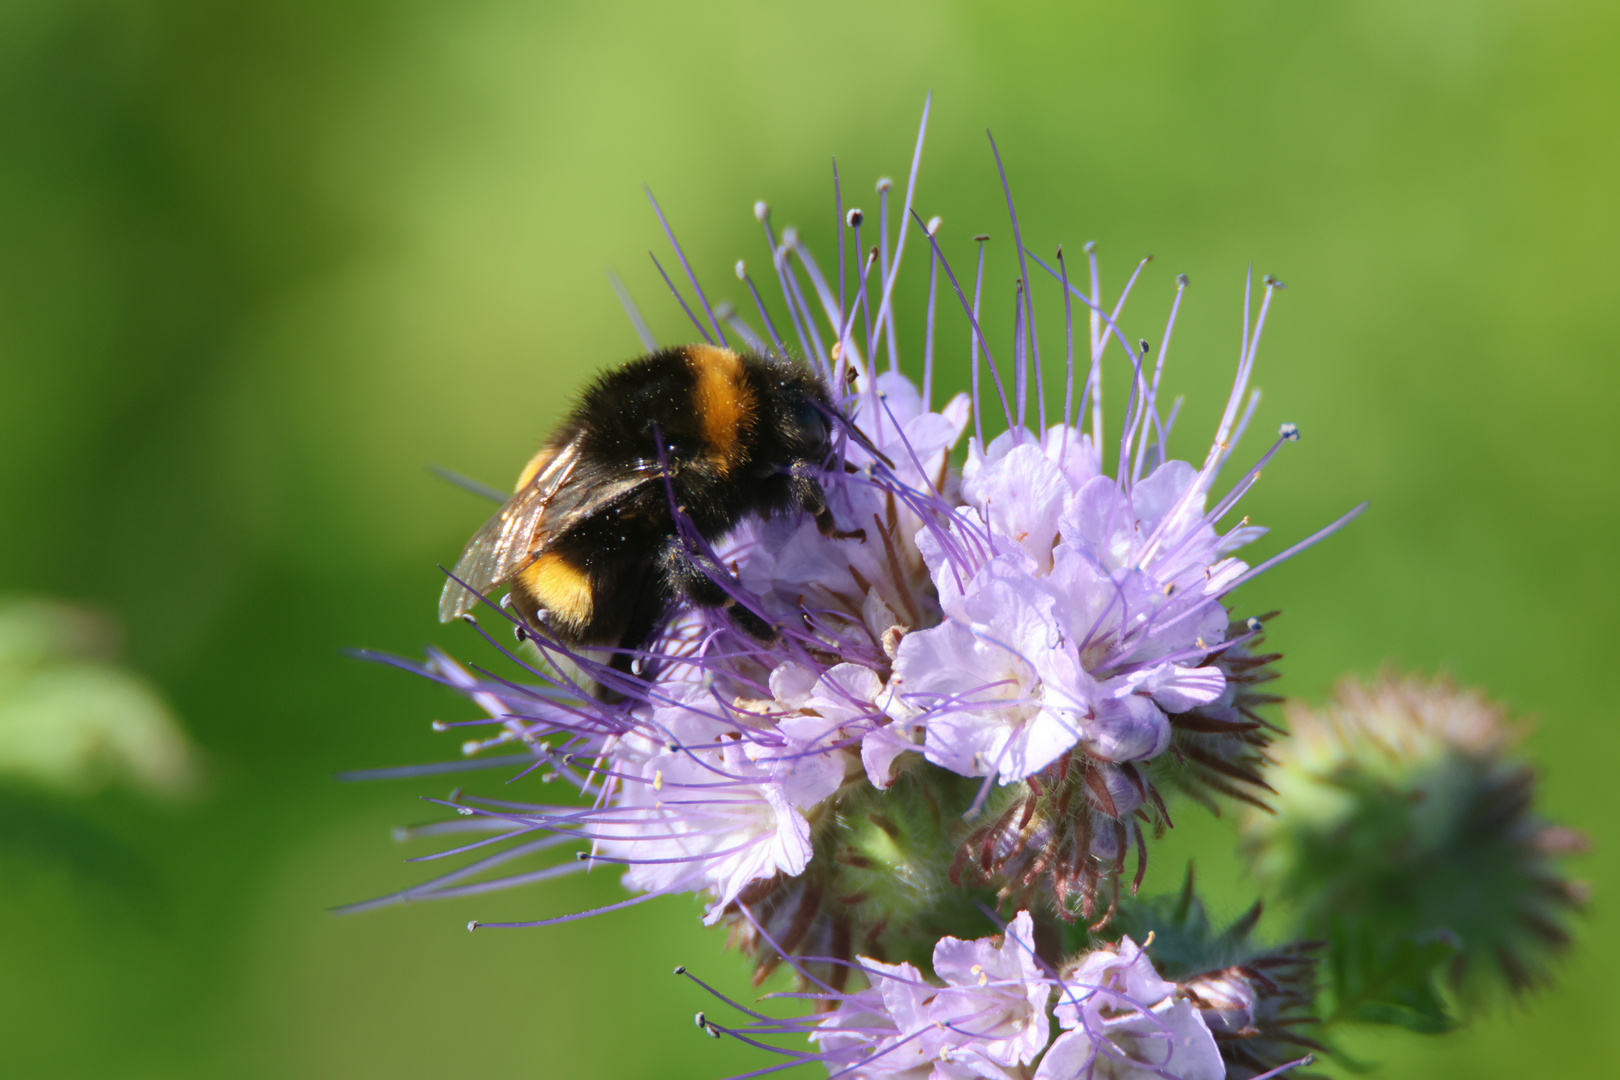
(590, 543)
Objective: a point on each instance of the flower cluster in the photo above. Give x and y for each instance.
(989, 1007)
(980, 690)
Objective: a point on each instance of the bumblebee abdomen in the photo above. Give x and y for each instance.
(562, 587)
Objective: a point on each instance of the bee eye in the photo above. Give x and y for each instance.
(812, 428)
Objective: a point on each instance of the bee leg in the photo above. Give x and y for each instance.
(808, 494)
(692, 577)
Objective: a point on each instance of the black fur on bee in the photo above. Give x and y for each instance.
(590, 544)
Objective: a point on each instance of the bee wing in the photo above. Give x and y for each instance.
(523, 528)
(509, 539)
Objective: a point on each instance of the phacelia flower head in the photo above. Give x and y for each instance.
(989, 1010)
(974, 687)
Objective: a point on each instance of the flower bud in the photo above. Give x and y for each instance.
(1402, 811)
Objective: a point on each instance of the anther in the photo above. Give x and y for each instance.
(761, 210)
(933, 225)
(680, 969)
(465, 811)
(790, 237)
(1290, 432)
(981, 238)
(854, 217)
(470, 747)
(440, 725)
(520, 633)
(1060, 252)
(472, 924)
(1181, 280)
(740, 270)
(467, 617)
(1253, 624)
(884, 184)
(1091, 245)
(582, 856)
(1145, 346)
(1169, 588)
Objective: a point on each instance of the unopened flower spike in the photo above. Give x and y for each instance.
(1403, 815)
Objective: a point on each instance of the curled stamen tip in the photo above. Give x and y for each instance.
(1253, 624)
(854, 217)
(1181, 281)
(740, 269)
(762, 210)
(680, 969)
(981, 238)
(472, 924)
(1091, 246)
(884, 184)
(933, 225)
(1289, 432)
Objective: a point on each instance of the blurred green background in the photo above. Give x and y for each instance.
(262, 261)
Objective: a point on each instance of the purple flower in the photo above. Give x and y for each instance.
(989, 1016)
(973, 684)
(1122, 1021)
